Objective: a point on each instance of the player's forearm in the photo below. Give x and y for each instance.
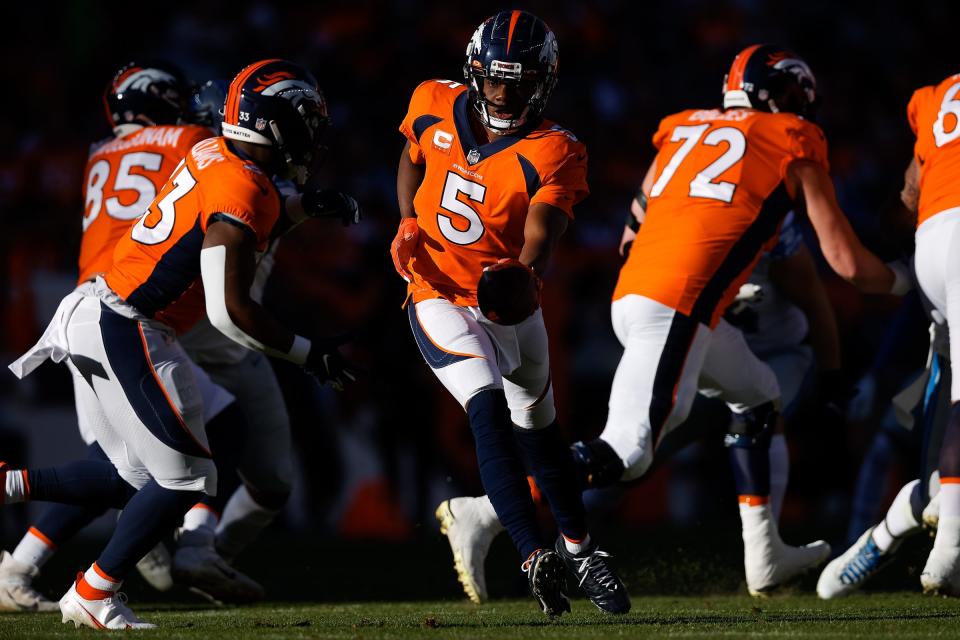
(541, 234)
(409, 178)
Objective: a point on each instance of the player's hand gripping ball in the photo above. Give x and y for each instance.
(508, 292)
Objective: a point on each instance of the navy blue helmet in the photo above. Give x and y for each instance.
(146, 94)
(770, 78)
(206, 104)
(519, 49)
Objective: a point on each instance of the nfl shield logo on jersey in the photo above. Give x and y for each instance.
(473, 157)
(261, 124)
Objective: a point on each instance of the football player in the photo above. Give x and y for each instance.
(484, 178)
(931, 191)
(718, 191)
(193, 250)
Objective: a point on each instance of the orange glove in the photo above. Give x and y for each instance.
(401, 249)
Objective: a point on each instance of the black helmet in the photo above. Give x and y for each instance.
(770, 78)
(147, 95)
(517, 47)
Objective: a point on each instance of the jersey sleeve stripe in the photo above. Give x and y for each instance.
(530, 175)
(423, 123)
(171, 276)
(742, 253)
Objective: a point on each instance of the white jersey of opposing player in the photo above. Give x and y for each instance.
(780, 323)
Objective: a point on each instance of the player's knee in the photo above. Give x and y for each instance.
(270, 487)
(273, 498)
(598, 465)
(539, 416)
(200, 475)
(752, 429)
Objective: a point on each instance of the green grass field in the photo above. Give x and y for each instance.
(900, 615)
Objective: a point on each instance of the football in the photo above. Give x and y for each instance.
(508, 292)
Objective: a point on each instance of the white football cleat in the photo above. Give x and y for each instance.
(198, 566)
(931, 513)
(768, 561)
(156, 568)
(470, 525)
(849, 571)
(16, 588)
(941, 575)
(109, 613)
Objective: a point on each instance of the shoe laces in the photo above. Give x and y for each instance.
(595, 566)
(526, 564)
(862, 564)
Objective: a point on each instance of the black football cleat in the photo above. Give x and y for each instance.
(597, 579)
(545, 575)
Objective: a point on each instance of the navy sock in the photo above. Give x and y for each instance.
(501, 469)
(551, 464)
(751, 470)
(87, 483)
(227, 434)
(149, 515)
(60, 522)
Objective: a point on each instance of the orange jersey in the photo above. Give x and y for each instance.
(122, 178)
(716, 204)
(934, 115)
(156, 266)
(474, 198)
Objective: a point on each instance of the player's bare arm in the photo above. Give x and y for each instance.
(840, 245)
(638, 209)
(910, 194)
(409, 178)
(796, 276)
(541, 233)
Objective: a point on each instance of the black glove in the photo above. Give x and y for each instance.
(834, 392)
(328, 203)
(326, 364)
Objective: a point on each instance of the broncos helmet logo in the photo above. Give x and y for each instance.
(139, 79)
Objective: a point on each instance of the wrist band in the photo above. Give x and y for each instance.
(298, 352)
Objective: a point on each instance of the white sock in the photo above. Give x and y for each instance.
(34, 548)
(899, 520)
(16, 489)
(243, 520)
(948, 534)
(96, 585)
(576, 547)
(779, 473)
(949, 497)
(756, 519)
(200, 524)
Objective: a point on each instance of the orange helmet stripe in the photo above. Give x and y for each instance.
(514, 17)
(735, 79)
(231, 112)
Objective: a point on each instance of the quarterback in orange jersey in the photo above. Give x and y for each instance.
(486, 183)
(717, 193)
(119, 336)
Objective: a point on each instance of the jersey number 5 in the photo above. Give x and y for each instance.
(703, 185)
(160, 230)
(450, 202)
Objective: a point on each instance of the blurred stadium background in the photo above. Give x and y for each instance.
(374, 462)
